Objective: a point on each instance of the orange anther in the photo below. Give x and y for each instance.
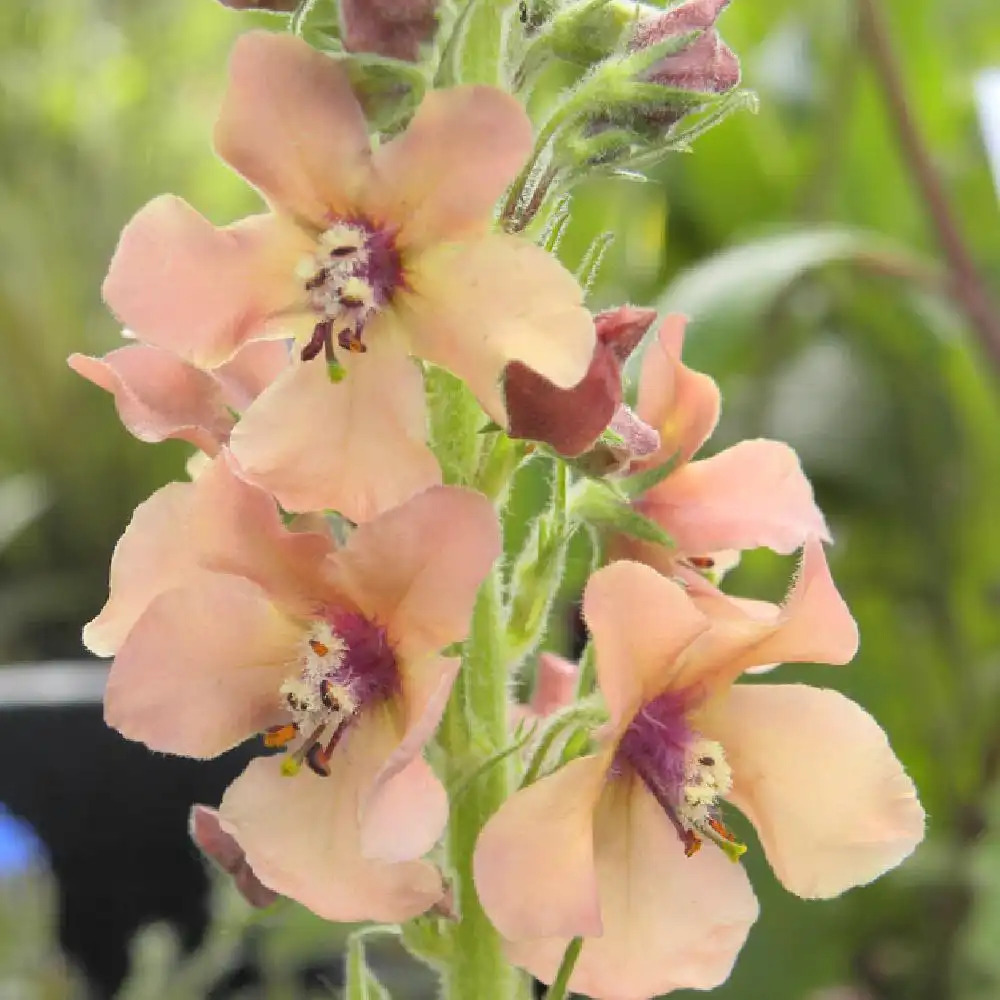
(318, 647)
(717, 826)
(279, 736)
(701, 562)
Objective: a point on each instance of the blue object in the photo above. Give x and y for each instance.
(20, 847)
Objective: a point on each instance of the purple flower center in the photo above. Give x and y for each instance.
(683, 771)
(351, 276)
(347, 665)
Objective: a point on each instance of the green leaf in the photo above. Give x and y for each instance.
(746, 278)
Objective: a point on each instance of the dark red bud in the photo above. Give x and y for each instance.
(707, 64)
(571, 420)
(393, 28)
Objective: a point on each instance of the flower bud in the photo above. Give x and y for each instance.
(571, 420)
(394, 28)
(707, 65)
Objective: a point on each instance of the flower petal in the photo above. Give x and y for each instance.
(417, 568)
(750, 495)
(159, 396)
(358, 447)
(201, 668)
(670, 921)
(476, 306)
(814, 625)
(640, 623)
(180, 283)
(682, 404)
(406, 810)
(534, 860)
(815, 774)
(440, 179)
(291, 125)
(301, 838)
(219, 522)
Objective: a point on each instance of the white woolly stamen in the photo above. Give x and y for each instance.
(707, 778)
(321, 654)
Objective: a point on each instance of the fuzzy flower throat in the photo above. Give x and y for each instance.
(351, 276)
(345, 664)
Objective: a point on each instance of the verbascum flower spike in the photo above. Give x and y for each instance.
(629, 847)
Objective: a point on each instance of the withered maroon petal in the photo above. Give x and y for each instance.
(222, 848)
(571, 420)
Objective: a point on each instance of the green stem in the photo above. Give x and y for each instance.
(474, 728)
(557, 991)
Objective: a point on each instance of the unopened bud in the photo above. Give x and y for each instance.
(707, 65)
(571, 420)
(394, 28)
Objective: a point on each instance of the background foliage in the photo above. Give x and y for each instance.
(799, 244)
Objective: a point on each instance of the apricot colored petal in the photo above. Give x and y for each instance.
(406, 809)
(219, 522)
(201, 668)
(180, 283)
(357, 446)
(251, 370)
(816, 776)
(417, 568)
(301, 838)
(670, 922)
(440, 179)
(753, 494)
(291, 125)
(814, 625)
(534, 860)
(478, 305)
(640, 623)
(682, 404)
(159, 396)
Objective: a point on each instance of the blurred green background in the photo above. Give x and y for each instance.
(801, 247)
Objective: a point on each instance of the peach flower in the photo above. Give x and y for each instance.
(225, 624)
(612, 846)
(366, 257)
(750, 495)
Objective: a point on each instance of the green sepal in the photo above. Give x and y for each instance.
(598, 504)
(579, 718)
(638, 483)
(389, 89)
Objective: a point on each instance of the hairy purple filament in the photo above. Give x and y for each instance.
(655, 746)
